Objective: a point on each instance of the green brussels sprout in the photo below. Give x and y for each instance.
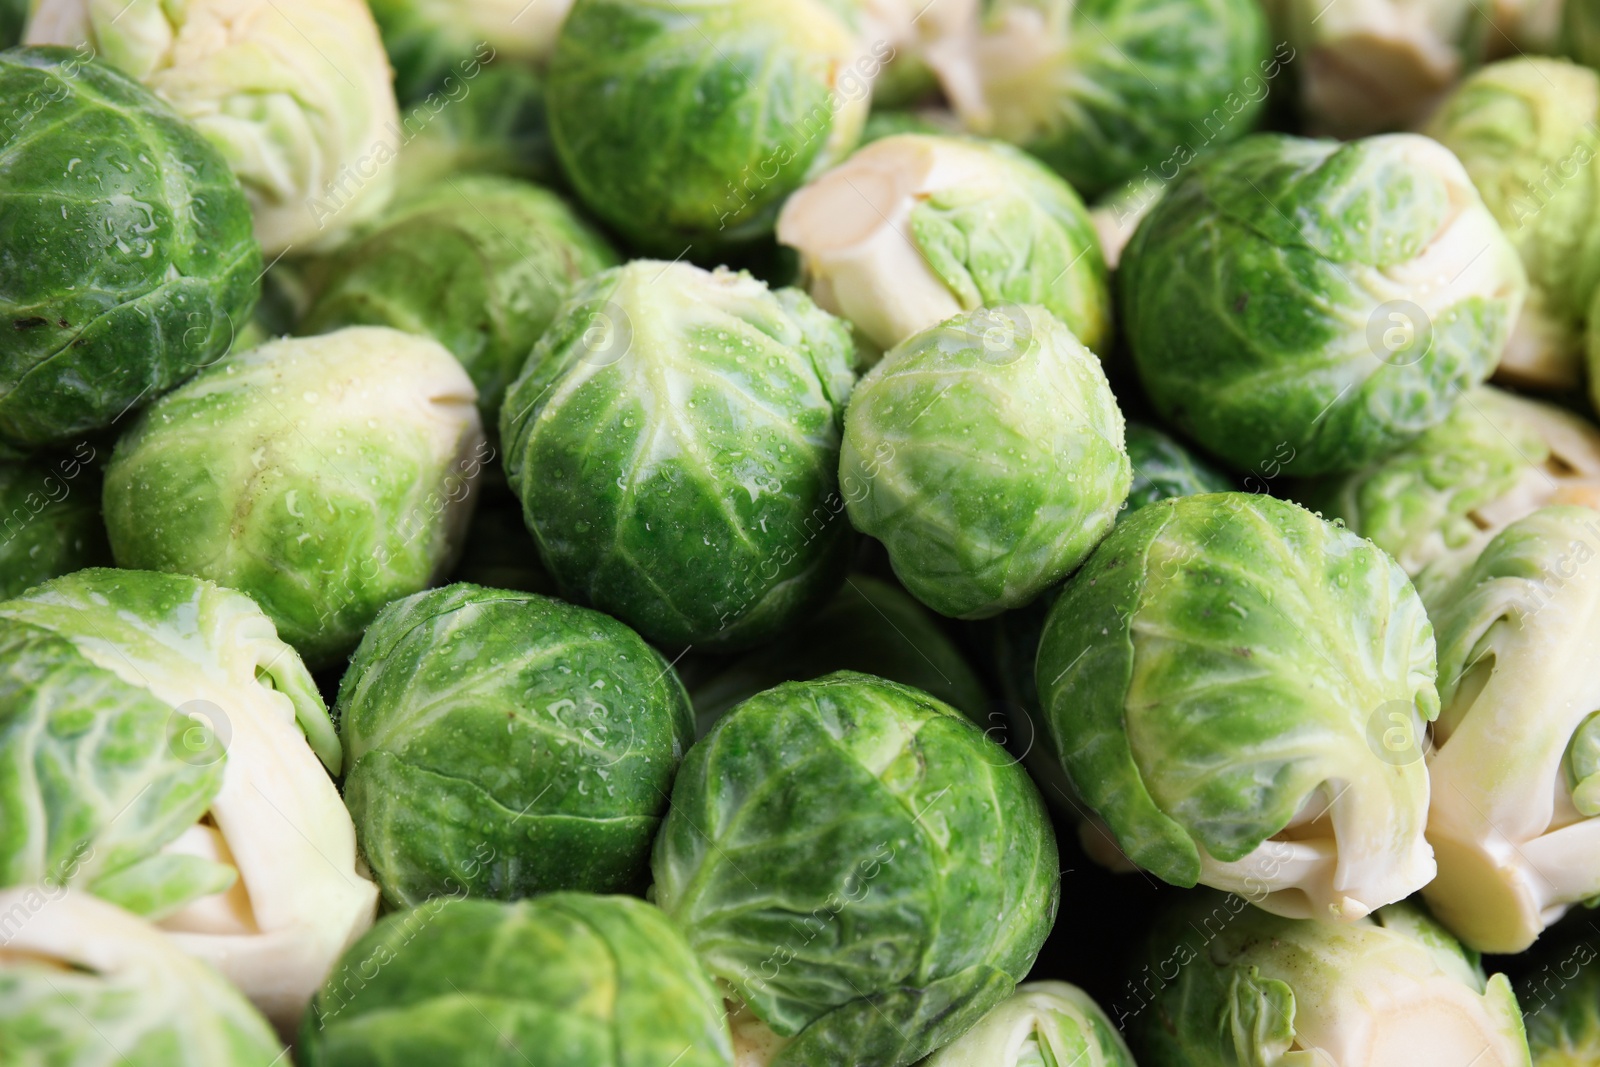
(495, 125)
(505, 744)
(869, 626)
(863, 868)
(428, 40)
(159, 748)
(674, 440)
(324, 476)
(295, 94)
(1042, 1024)
(1329, 300)
(1384, 65)
(1221, 682)
(85, 984)
(49, 519)
(1528, 132)
(1104, 89)
(914, 229)
(1232, 986)
(564, 980)
(1163, 469)
(687, 124)
(127, 259)
(1561, 1007)
(1497, 458)
(987, 455)
(1515, 764)
(477, 262)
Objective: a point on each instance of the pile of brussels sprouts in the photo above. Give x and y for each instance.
(809, 533)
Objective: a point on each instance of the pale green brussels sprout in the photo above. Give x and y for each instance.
(128, 261)
(1232, 986)
(1561, 1007)
(49, 519)
(1042, 1024)
(1221, 681)
(1515, 762)
(1370, 66)
(674, 440)
(1103, 90)
(504, 744)
(1496, 459)
(159, 748)
(477, 262)
(870, 625)
(429, 40)
(294, 93)
(494, 125)
(1317, 304)
(86, 984)
(562, 980)
(324, 476)
(986, 453)
(914, 229)
(1528, 132)
(863, 868)
(687, 122)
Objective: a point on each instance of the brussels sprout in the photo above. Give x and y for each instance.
(1042, 1024)
(1163, 469)
(1496, 459)
(1527, 132)
(688, 123)
(1516, 763)
(1221, 681)
(126, 259)
(1104, 89)
(987, 455)
(1381, 65)
(1561, 1007)
(428, 40)
(496, 125)
(49, 519)
(1233, 986)
(674, 439)
(1329, 300)
(914, 229)
(295, 94)
(159, 748)
(861, 866)
(504, 744)
(564, 980)
(479, 263)
(84, 984)
(869, 626)
(325, 476)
